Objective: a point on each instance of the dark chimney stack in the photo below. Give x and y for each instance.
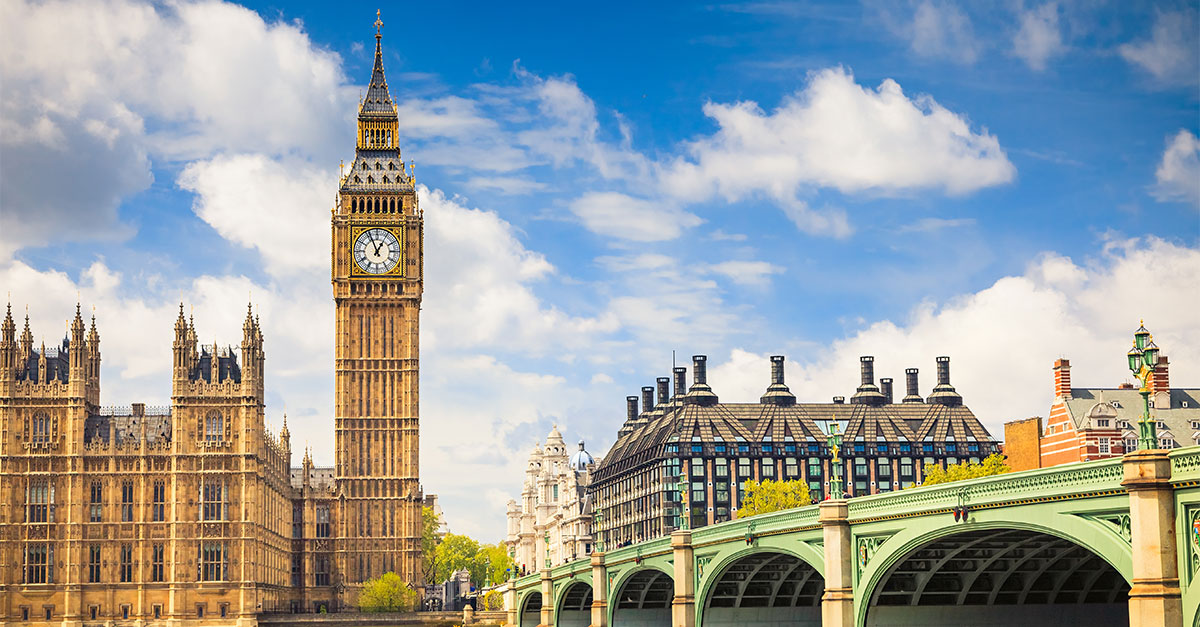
(885, 386)
(699, 370)
(647, 399)
(664, 390)
(700, 393)
(944, 393)
(778, 392)
(914, 391)
(631, 408)
(867, 393)
(680, 382)
(839, 400)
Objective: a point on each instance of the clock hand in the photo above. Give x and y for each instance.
(378, 245)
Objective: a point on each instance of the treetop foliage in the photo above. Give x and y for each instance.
(387, 593)
(772, 496)
(991, 465)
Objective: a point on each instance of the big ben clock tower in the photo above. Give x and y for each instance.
(377, 284)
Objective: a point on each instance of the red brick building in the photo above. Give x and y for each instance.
(1096, 423)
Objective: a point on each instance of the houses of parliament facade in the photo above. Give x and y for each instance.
(192, 514)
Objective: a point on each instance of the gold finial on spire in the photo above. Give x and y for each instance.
(378, 24)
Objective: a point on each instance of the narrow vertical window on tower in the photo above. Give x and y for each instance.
(96, 510)
(38, 499)
(127, 501)
(159, 506)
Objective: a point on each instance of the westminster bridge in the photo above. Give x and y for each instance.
(1110, 542)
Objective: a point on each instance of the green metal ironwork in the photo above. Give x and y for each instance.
(1082, 502)
(1143, 358)
(835, 446)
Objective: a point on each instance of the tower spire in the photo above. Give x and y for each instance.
(378, 99)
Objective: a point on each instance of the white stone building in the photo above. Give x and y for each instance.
(553, 522)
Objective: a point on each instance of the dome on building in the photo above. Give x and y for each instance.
(581, 459)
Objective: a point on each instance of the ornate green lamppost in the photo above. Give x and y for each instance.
(1143, 358)
(546, 537)
(835, 446)
(684, 512)
(598, 542)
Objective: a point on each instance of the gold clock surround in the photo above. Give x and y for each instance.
(397, 231)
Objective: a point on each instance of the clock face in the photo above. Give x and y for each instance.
(377, 251)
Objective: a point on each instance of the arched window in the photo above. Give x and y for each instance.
(385, 179)
(214, 427)
(378, 166)
(41, 429)
(370, 179)
(357, 180)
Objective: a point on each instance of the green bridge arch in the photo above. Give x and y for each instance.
(1102, 539)
(1088, 509)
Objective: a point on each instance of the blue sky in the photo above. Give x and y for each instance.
(1004, 183)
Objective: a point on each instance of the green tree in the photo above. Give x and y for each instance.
(429, 543)
(387, 593)
(496, 562)
(771, 496)
(991, 465)
(457, 552)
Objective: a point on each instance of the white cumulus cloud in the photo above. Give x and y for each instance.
(1003, 340)
(1178, 173)
(1170, 54)
(1039, 37)
(839, 135)
(637, 219)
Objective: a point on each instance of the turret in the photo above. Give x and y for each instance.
(252, 354)
(285, 437)
(93, 361)
(181, 350)
(77, 355)
(8, 353)
(25, 345)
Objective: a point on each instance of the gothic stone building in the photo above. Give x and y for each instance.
(553, 522)
(182, 513)
(718, 446)
(139, 512)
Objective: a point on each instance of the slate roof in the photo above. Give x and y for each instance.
(803, 422)
(1087, 404)
(227, 366)
(377, 171)
(126, 425)
(322, 477)
(58, 366)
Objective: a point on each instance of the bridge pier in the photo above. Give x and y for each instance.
(683, 605)
(513, 613)
(547, 614)
(837, 604)
(1154, 598)
(599, 591)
